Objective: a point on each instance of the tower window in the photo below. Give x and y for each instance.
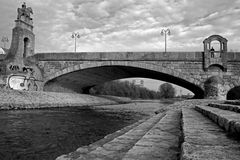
(26, 47)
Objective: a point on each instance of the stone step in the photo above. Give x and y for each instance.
(101, 142)
(229, 107)
(204, 140)
(228, 120)
(161, 142)
(114, 146)
(233, 102)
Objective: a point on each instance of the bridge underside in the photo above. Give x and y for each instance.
(82, 80)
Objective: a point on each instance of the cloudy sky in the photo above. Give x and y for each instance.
(126, 25)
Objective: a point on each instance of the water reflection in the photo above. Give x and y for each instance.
(46, 134)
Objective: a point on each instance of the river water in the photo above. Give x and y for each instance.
(48, 133)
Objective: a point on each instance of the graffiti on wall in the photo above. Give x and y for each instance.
(27, 69)
(22, 82)
(14, 67)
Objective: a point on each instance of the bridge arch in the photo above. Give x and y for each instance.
(215, 67)
(234, 93)
(103, 71)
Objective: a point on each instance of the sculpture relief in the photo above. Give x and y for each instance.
(25, 12)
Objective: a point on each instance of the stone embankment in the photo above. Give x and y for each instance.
(157, 137)
(12, 99)
(226, 116)
(206, 140)
(183, 131)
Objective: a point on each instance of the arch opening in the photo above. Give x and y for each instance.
(234, 93)
(215, 47)
(82, 80)
(137, 87)
(216, 68)
(26, 47)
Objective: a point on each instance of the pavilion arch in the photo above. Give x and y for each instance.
(222, 42)
(89, 74)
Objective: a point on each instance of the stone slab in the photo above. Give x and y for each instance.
(212, 152)
(204, 140)
(161, 142)
(228, 120)
(229, 107)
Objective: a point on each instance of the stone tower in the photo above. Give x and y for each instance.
(17, 72)
(23, 38)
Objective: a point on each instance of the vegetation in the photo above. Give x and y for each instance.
(166, 90)
(127, 89)
(124, 89)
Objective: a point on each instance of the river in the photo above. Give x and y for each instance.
(49, 133)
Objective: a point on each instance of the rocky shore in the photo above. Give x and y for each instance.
(12, 99)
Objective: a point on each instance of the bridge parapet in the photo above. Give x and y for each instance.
(161, 56)
(169, 56)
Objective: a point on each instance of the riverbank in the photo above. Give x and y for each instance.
(160, 136)
(148, 108)
(13, 99)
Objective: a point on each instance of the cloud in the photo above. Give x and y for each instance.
(129, 25)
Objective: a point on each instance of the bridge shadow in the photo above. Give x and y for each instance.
(83, 80)
(234, 93)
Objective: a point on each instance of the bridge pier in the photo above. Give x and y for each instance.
(214, 88)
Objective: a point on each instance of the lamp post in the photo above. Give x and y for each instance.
(75, 36)
(4, 40)
(165, 32)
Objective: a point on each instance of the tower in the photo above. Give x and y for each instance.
(23, 38)
(17, 72)
(215, 56)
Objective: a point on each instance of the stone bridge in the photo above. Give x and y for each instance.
(78, 72)
(81, 71)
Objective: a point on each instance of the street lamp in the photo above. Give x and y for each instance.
(75, 36)
(4, 40)
(165, 32)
